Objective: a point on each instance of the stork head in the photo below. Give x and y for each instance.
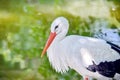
(58, 27)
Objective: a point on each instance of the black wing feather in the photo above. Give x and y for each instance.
(114, 46)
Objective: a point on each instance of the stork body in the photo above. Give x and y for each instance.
(90, 57)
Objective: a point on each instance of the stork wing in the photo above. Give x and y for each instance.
(91, 49)
(93, 54)
(101, 56)
(99, 51)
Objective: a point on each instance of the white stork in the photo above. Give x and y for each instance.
(90, 57)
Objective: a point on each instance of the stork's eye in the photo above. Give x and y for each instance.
(56, 27)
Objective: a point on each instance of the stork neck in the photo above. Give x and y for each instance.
(60, 36)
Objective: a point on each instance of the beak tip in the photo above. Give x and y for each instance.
(41, 56)
(43, 52)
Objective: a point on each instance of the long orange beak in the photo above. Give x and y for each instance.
(49, 41)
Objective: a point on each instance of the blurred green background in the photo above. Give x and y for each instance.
(25, 26)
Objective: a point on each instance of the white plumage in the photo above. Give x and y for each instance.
(77, 52)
